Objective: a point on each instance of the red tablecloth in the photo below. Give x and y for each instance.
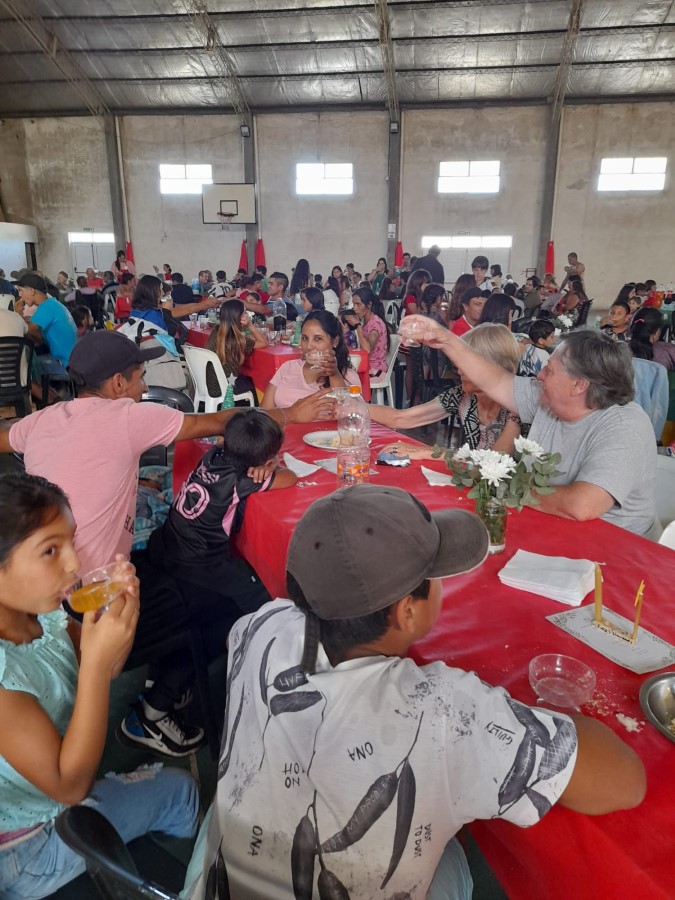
(495, 630)
(263, 363)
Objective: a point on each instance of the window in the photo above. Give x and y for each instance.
(324, 178)
(642, 173)
(468, 241)
(91, 237)
(475, 177)
(187, 179)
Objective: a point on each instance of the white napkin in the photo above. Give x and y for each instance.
(301, 469)
(437, 479)
(565, 580)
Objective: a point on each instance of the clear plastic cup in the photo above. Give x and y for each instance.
(97, 589)
(353, 465)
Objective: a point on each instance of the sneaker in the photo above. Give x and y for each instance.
(168, 736)
(185, 700)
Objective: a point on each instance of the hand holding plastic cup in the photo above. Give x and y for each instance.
(316, 357)
(411, 332)
(97, 589)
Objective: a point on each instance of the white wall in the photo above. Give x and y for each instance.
(512, 136)
(13, 240)
(619, 237)
(327, 231)
(169, 228)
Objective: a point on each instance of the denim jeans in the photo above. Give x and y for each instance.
(151, 799)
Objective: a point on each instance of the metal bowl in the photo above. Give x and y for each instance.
(657, 699)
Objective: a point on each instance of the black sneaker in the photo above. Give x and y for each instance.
(168, 736)
(185, 698)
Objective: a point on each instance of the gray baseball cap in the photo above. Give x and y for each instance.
(364, 547)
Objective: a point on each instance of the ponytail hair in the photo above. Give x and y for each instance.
(646, 322)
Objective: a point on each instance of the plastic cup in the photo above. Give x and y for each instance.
(561, 681)
(97, 589)
(353, 465)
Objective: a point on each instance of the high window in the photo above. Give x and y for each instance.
(184, 179)
(469, 177)
(324, 178)
(627, 173)
(468, 241)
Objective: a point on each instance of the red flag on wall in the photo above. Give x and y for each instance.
(398, 254)
(549, 265)
(243, 261)
(260, 254)
(129, 252)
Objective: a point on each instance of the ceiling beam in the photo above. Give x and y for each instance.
(566, 59)
(387, 51)
(48, 43)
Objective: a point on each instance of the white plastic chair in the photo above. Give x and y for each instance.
(664, 489)
(5, 300)
(668, 536)
(246, 395)
(383, 383)
(208, 377)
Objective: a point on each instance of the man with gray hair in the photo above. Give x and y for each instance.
(580, 405)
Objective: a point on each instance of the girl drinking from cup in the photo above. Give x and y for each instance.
(325, 363)
(235, 338)
(53, 718)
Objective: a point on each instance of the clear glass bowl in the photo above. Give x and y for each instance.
(561, 681)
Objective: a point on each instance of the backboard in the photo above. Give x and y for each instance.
(237, 200)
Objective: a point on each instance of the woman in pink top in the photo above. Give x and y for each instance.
(371, 330)
(299, 378)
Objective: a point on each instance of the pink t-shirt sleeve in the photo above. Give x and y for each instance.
(19, 432)
(152, 425)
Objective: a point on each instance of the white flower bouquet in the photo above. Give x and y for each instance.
(562, 322)
(510, 480)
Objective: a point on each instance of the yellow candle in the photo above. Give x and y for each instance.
(598, 595)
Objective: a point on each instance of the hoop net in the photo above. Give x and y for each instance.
(225, 220)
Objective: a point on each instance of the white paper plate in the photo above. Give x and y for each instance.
(324, 440)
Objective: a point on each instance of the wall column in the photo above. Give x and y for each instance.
(394, 184)
(115, 181)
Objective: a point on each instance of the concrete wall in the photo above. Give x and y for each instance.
(514, 137)
(55, 178)
(53, 174)
(619, 236)
(327, 231)
(13, 240)
(167, 227)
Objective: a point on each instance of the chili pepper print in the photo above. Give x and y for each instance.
(263, 671)
(405, 807)
(514, 785)
(373, 804)
(224, 764)
(330, 886)
(540, 803)
(240, 651)
(534, 726)
(558, 753)
(296, 702)
(217, 884)
(303, 857)
(290, 679)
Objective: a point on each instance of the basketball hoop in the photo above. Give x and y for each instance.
(225, 220)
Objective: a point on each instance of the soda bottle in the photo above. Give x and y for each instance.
(353, 420)
(279, 314)
(297, 331)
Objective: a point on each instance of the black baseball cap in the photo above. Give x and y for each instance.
(31, 280)
(340, 552)
(99, 355)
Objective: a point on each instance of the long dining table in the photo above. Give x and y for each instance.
(495, 630)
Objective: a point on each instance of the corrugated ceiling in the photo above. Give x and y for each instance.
(151, 55)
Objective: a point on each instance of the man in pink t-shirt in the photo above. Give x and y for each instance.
(91, 448)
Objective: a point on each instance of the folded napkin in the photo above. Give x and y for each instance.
(565, 580)
(437, 479)
(301, 469)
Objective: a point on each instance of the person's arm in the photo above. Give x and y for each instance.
(262, 309)
(413, 417)
(486, 375)
(581, 501)
(607, 775)
(283, 478)
(309, 409)
(268, 397)
(65, 768)
(185, 309)
(366, 341)
(260, 340)
(506, 439)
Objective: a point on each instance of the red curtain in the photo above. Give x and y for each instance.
(549, 265)
(243, 261)
(260, 254)
(129, 251)
(398, 254)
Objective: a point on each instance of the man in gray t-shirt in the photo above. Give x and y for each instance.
(579, 406)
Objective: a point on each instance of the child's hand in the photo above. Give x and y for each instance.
(107, 638)
(262, 473)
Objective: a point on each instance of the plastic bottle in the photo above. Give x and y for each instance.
(279, 314)
(353, 420)
(297, 331)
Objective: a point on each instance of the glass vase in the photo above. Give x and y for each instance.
(492, 513)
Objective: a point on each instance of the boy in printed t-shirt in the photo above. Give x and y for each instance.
(337, 745)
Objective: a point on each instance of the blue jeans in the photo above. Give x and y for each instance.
(151, 799)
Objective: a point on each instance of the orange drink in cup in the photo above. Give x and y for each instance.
(97, 589)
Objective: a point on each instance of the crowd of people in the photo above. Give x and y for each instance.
(351, 617)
